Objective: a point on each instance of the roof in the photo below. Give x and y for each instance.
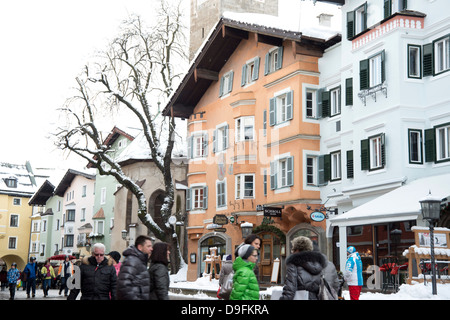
(44, 193)
(67, 180)
(400, 204)
(24, 176)
(215, 51)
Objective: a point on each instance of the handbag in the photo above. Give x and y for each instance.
(326, 292)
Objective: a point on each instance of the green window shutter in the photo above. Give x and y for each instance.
(255, 73)
(244, 75)
(364, 74)
(349, 92)
(221, 87)
(191, 147)
(273, 175)
(290, 171)
(272, 112)
(430, 145)
(404, 5)
(265, 182)
(319, 103)
(188, 199)
(350, 169)
(205, 197)
(387, 8)
(230, 83)
(205, 144)
(350, 24)
(383, 150)
(280, 58)
(225, 137)
(383, 66)
(266, 64)
(214, 141)
(427, 60)
(327, 167)
(325, 104)
(264, 122)
(365, 165)
(289, 103)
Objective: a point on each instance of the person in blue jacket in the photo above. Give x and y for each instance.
(353, 273)
(31, 272)
(13, 275)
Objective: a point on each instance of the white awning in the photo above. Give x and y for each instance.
(400, 204)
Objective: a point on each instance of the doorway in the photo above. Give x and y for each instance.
(269, 251)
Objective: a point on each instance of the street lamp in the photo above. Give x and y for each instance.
(246, 228)
(431, 209)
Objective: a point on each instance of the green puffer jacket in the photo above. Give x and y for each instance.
(245, 284)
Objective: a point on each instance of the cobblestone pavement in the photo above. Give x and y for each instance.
(53, 294)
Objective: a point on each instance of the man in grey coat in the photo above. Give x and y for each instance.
(133, 281)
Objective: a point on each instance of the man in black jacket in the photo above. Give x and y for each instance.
(97, 277)
(134, 280)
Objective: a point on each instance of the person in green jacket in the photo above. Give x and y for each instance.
(245, 284)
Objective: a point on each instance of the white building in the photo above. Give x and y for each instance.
(384, 113)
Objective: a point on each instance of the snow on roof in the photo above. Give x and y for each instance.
(28, 179)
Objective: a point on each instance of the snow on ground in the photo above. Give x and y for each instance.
(415, 291)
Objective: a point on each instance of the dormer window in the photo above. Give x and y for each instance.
(11, 182)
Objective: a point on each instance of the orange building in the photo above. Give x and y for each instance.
(248, 98)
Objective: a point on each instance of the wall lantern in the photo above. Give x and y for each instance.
(246, 228)
(193, 257)
(124, 234)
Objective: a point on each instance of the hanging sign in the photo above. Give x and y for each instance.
(220, 219)
(272, 212)
(317, 216)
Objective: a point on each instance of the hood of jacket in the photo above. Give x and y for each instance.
(91, 260)
(133, 251)
(312, 261)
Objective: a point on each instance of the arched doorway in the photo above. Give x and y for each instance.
(272, 247)
(208, 241)
(316, 234)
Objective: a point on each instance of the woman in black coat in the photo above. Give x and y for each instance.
(304, 268)
(159, 272)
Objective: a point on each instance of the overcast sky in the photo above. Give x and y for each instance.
(44, 46)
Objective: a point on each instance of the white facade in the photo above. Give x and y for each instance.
(399, 110)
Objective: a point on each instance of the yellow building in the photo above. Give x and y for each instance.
(17, 185)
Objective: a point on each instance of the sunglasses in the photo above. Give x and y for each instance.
(99, 254)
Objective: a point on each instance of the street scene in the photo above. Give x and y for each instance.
(226, 150)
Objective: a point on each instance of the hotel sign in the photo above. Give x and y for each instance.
(272, 212)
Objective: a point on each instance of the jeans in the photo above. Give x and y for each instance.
(46, 285)
(12, 290)
(31, 284)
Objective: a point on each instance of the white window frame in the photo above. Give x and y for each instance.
(359, 20)
(311, 170)
(17, 201)
(375, 152)
(442, 55)
(18, 220)
(443, 143)
(100, 227)
(375, 70)
(15, 243)
(336, 165)
(197, 197)
(221, 138)
(335, 101)
(103, 195)
(221, 195)
(414, 61)
(241, 188)
(226, 83)
(198, 143)
(244, 125)
(311, 103)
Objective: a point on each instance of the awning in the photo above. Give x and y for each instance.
(401, 204)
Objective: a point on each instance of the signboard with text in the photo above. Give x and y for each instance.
(272, 212)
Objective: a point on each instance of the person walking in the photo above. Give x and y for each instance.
(3, 278)
(12, 276)
(304, 269)
(226, 278)
(115, 256)
(353, 273)
(159, 272)
(65, 271)
(98, 278)
(133, 282)
(255, 241)
(48, 274)
(245, 284)
(31, 271)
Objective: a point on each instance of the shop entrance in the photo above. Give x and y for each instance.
(269, 251)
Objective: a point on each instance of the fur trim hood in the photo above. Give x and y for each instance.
(312, 261)
(91, 260)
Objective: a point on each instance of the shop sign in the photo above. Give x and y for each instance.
(220, 230)
(220, 219)
(317, 216)
(272, 212)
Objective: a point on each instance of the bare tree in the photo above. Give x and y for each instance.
(135, 73)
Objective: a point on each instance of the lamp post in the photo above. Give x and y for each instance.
(246, 228)
(431, 209)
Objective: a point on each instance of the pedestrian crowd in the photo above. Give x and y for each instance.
(309, 274)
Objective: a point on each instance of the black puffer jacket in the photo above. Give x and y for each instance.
(303, 272)
(159, 281)
(134, 281)
(98, 282)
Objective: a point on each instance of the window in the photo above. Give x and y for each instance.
(415, 146)
(197, 198)
(311, 103)
(250, 71)
(220, 138)
(273, 60)
(12, 243)
(336, 165)
(335, 96)
(198, 145)
(83, 214)
(442, 54)
(17, 201)
(281, 108)
(14, 220)
(414, 66)
(221, 194)
(83, 191)
(70, 215)
(356, 21)
(311, 170)
(68, 240)
(11, 182)
(226, 83)
(373, 153)
(245, 128)
(282, 173)
(443, 143)
(99, 227)
(265, 182)
(245, 187)
(103, 195)
(372, 71)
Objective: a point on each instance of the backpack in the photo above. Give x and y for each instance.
(227, 286)
(326, 292)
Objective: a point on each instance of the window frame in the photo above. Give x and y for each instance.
(418, 61)
(273, 60)
(376, 144)
(419, 143)
(14, 219)
(221, 195)
(277, 108)
(311, 170)
(336, 165)
(335, 101)
(240, 128)
(446, 55)
(247, 77)
(226, 83)
(311, 104)
(240, 186)
(445, 144)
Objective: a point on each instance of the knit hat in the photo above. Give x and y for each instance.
(115, 255)
(302, 243)
(245, 251)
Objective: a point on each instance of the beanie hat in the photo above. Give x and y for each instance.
(351, 249)
(245, 251)
(302, 243)
(115, 255)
